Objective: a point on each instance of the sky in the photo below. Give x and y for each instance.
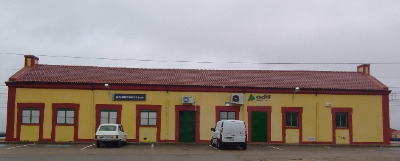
(338, 35)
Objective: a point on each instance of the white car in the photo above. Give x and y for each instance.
(110, 133)
(229, 132)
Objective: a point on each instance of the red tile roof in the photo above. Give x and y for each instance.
(193, 77)
(396, 132)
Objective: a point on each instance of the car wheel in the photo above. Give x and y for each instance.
(98, 144)
(119, 143)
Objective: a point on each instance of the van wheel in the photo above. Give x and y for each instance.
(244, 147)
(98, 144)
(219, 146)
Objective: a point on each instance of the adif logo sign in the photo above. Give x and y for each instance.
(251, 98)
(264, 97)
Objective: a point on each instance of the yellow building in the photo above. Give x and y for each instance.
(67, 103)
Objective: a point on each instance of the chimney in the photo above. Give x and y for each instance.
(31, 60)
(364, 69)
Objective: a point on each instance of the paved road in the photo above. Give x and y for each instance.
(192, 152)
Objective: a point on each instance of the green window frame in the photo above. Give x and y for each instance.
(65, 116)
(342, 119)
(30, 116)
(227, 115)
(108, 116)
(148, 118)
(292, 119)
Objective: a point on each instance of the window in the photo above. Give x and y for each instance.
(108, 116)
(65, 116)
(148, 118)
(292, 119)
(108, 128)
(30, 116)
(341, 119)
(227, 115)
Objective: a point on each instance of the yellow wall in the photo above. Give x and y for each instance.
(29, 60)
(148, 134)
(292, 136)
(50, 96)
(317, 119)
(366, 117)
(342, 136)
(29, 133)
(64, 133)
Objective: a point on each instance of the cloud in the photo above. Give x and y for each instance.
(217, 31)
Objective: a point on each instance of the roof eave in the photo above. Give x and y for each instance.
(164, 87)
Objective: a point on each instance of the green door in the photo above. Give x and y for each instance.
(187, 125)
(259, 126)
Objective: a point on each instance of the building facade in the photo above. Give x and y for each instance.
(67, 103)
(395, 135)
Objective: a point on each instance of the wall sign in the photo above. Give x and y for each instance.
(129, 97)
(264, 97)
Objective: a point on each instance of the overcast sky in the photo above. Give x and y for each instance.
(215, 31)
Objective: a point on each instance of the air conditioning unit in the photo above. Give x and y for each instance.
(237, 98)
(187, 100)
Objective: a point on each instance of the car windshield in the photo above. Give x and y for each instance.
(108, 128)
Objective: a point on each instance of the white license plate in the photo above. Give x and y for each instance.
(106, 137)
(230, 139)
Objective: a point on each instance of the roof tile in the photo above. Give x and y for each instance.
(195, 77)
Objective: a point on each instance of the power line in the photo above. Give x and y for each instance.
(199, 62)
(388, 77)
(10, 69)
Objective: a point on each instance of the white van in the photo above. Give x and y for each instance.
(229, 132)
(110, 133)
